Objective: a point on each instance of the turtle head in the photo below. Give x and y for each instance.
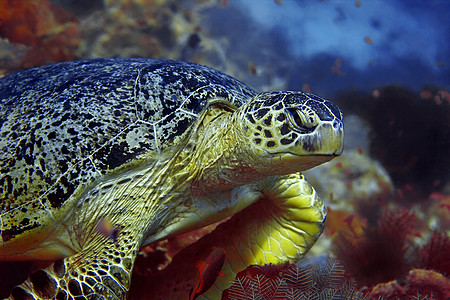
(295, 131)
(274, 133)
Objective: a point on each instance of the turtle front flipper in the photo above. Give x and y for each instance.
(100, 274)
(281, 227)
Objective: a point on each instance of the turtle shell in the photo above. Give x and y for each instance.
(67, 124)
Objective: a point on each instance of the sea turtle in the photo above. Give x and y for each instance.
(100, 157)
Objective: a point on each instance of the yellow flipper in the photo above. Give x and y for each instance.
(280, 227)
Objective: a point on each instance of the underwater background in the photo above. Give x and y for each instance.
(385, 63)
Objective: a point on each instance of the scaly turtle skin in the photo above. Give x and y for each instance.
(100, 157)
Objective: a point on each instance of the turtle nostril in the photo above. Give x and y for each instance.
(336, 124)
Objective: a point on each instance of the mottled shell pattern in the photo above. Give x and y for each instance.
(67, 124)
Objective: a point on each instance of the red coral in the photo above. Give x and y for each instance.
(378, 254)
(435, 254)
(51, 33)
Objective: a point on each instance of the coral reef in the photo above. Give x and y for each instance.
(385, 262)
(34, 33)
(435, 255)
(128, 29)
(418, 284)
(350, 178)
(46, 32)
(292, 282)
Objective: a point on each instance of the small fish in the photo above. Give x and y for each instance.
(438, 196)
(252, 67)
(445, 95)
(107, 229)
(437, 100)
(336, 68)
(306, 88)
(141, 21)
(408, 187)
(376, 94)
(425, 94)
(368, 40)
(208, 270)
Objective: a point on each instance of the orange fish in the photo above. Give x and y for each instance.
(445, 94)
(306, 88)
(376, 94)
(208, 270)
(337, 67)
(252, 67)
(368, 40)
(425, 94)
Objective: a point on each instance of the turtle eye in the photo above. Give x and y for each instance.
(301, 120)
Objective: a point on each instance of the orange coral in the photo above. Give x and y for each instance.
(50, 32)
(419, 283)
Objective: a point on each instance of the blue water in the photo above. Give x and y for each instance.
(410, 40)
